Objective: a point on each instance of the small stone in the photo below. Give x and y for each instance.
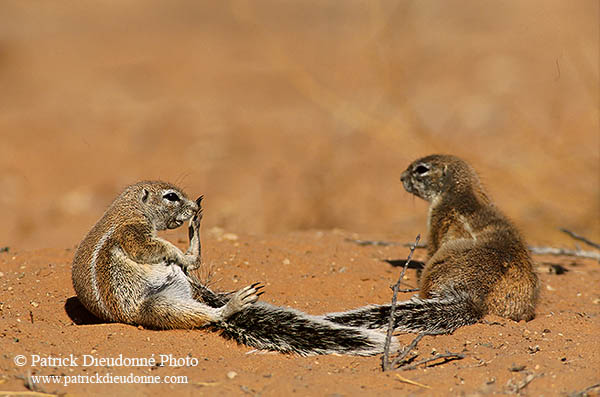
(34, 304)
(231, 374)
(286, 261)
(517, 368)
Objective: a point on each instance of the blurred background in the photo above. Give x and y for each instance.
(291, 115)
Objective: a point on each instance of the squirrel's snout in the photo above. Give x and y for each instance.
(404, 176)
(405, 179)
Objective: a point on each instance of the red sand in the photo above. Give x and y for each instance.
(559, 347)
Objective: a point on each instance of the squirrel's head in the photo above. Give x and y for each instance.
(431, 176)
(165, 205)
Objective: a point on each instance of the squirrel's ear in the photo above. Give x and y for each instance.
(144, 195)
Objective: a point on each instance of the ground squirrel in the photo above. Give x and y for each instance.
(477, 262)
(123, 272)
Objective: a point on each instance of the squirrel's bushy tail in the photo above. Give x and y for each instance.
(440, 314)
(286, 330)
(268, 327)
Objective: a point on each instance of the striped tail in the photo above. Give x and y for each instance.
(441, 314)
(286, 330)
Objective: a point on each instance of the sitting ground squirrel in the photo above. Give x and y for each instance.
(123, 272)
(477, 263)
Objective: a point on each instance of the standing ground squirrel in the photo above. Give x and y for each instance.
(123, 272)
(477, 262)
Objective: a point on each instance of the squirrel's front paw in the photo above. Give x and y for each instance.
(193, 266)
(242, 299)
(194, 224)
(198, 215)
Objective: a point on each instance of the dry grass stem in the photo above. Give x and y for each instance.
(386, 365)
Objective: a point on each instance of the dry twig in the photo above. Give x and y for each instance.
(382, 243)
(385, 360)
(585, 391)
(564, 252)
(580, 238)
(31, 385)
(516, 388)
(411, 382)
(407, 350)
(448, 356)
(364, 243)
(579, 253)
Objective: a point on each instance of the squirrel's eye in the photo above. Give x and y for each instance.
(421, 169)
(171, 197)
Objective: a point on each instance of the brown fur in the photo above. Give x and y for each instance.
(472, 246)
(122, 271)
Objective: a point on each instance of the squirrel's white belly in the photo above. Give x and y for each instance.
(169, 279)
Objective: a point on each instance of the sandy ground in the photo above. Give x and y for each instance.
(292, 118)
(559, 348)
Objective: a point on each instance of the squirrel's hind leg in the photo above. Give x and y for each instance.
(174, 307)
(204, 294)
